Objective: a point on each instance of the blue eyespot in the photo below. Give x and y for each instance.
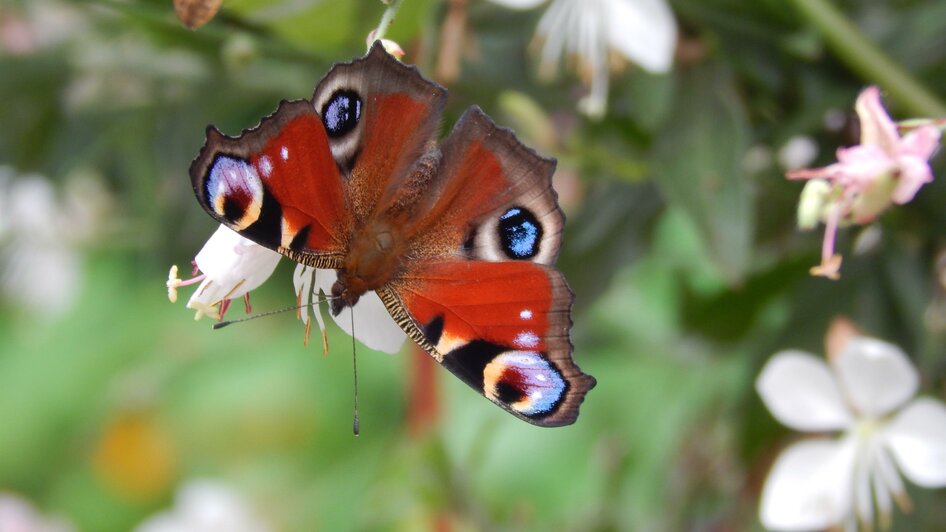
(525, 381)
(519, 233)
(341, 113)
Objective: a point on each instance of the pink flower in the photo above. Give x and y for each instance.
(883, 169)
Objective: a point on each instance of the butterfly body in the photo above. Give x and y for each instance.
(457, 239)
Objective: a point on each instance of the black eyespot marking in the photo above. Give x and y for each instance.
(434, 330)
(302, 237)
(510, 388)
(232, 209)
(469, 360)
(519, 233)
(469, 242)
(341, 112)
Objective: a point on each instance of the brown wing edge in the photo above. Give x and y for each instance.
(242, 146)
(398, 75)
(578, 383)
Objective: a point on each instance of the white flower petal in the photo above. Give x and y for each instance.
(18, 515)
(863, 462)
(557, 26)
(206, 505)
(801, 392)
(233, 266)
(887, 483)
(518, 4)
(374, 325)
(303, 283)
(44, 277)
(809, 486)
(917, 439)
(644, 31)
(876, 376)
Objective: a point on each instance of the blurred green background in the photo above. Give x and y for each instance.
(681, 246)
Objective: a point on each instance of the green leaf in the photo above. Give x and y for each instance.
(698, 165)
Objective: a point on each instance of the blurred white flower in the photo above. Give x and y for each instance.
(230, 266)
(588, 31)
(798, 152)
(18, 515)
(206, 506)
(40, 265)
(39, 24)
(866, 394)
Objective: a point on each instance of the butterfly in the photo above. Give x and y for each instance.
(456, 239)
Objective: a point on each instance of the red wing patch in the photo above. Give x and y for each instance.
(276, 184)
(503, 329)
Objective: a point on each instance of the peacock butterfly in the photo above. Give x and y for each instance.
(457, 239)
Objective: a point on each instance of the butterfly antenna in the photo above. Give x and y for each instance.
(222, 324)
(356, 425)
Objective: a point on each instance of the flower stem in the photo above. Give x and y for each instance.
(864, 57)
(387, 19)
(916, 123)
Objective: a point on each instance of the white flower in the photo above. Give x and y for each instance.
(206, 506)
(40, 264)
(230, 267)
(374, 325)
(643, 31)
(819, 483)
(18, 515)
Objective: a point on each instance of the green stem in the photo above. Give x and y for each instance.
(864, 57)
(386, 19)
(916, 123)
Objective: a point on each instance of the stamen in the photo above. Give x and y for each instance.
(173, 283)
(203, 309)
(224, 307)
(830, 262)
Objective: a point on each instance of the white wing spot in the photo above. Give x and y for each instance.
(525, 314)
(284, 153)
(266, 166)
(541, 378)
(526, 339)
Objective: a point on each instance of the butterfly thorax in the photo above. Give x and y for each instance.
(372, 260)
(375, 253)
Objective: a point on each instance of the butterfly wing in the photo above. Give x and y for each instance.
(501, 327)
(487, 303)
(308, 175)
